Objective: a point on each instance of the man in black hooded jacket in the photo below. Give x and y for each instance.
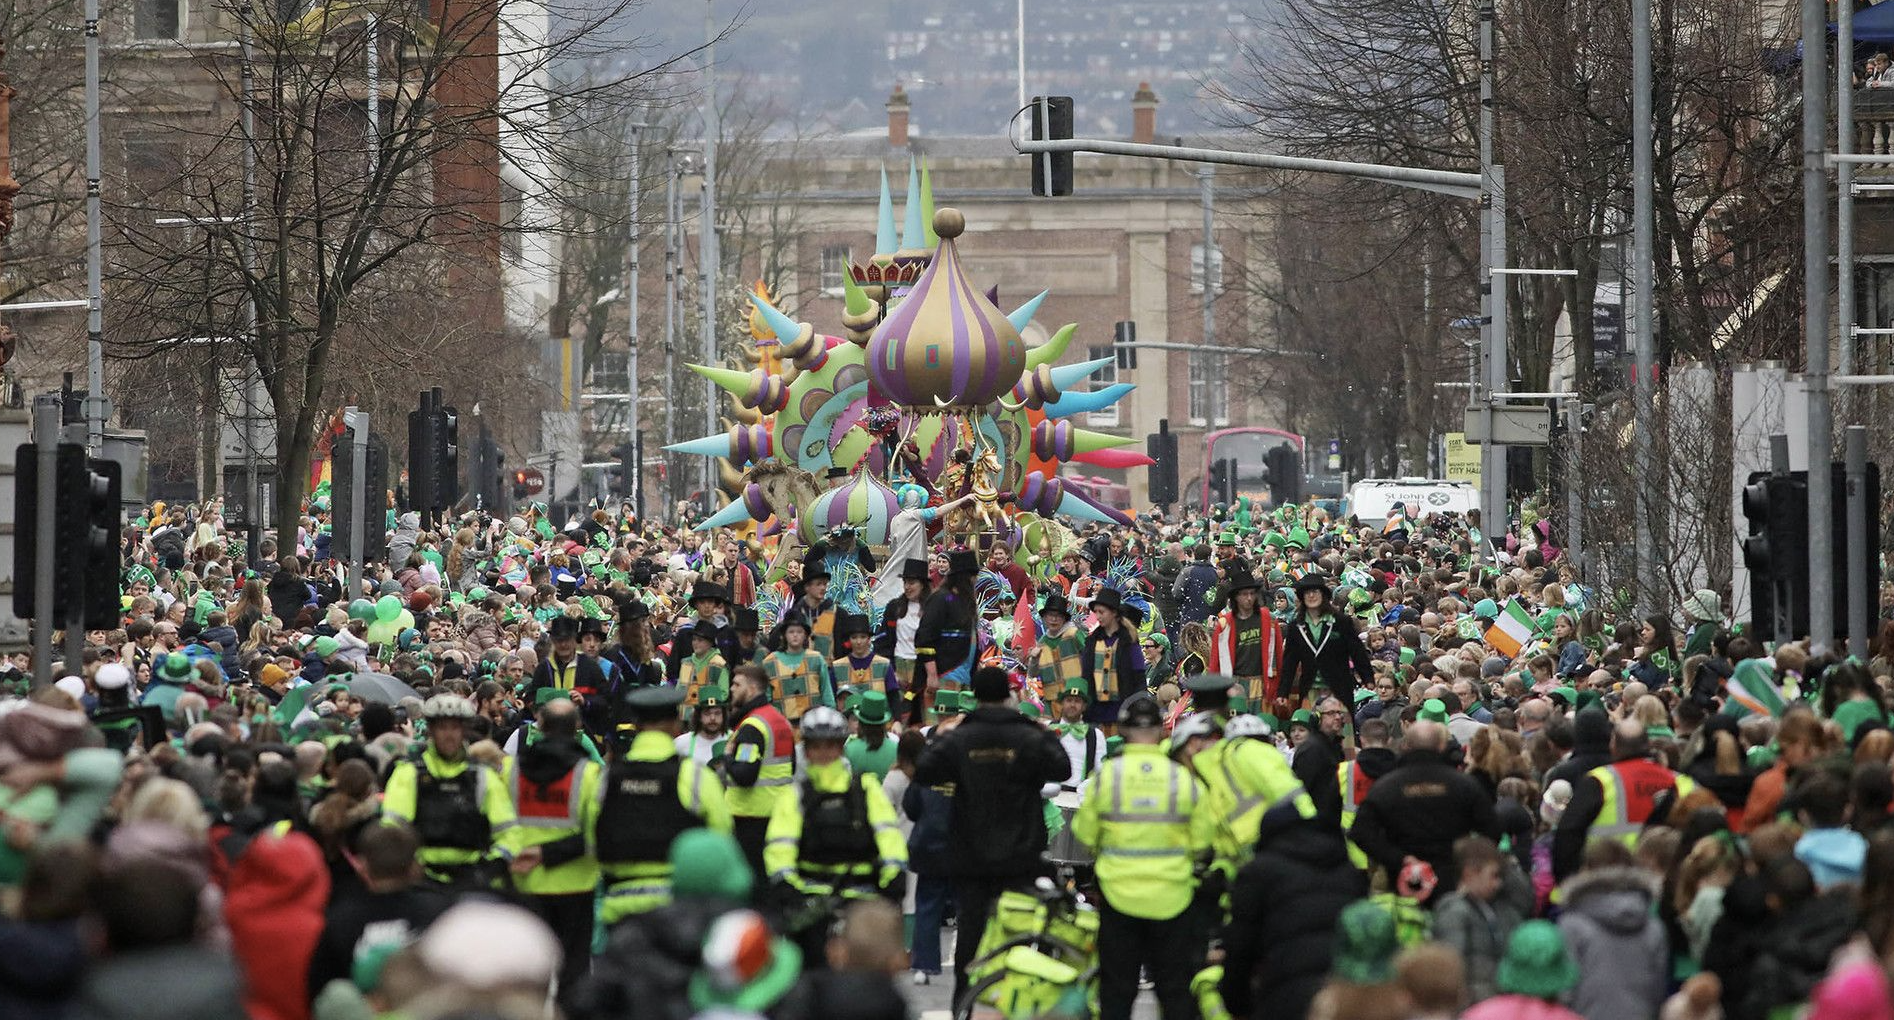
(1284, 906)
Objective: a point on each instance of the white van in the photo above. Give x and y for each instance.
(1370, 499)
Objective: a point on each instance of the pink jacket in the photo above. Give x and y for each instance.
(1518, 1007)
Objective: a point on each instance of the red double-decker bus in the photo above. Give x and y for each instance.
(1249, 447)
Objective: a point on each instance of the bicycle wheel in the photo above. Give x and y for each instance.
(969, 1007)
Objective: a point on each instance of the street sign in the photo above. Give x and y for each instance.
(534, 480)
(1334, 455)
(1514, 426)
(1462, 459)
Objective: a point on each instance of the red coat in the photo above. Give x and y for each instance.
(274, 904)
(1223, 647)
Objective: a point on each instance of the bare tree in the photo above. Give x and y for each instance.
(370, 246)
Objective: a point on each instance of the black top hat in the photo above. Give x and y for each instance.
(848, 625)
(814, 566)
(1056, 602)
(563, 627)
(1108, 598)
(794, 618)
(1133, 613)
(633, 610)
(708, 590)
(704, 629)
(914, 570)
(962, 561)
(745, 621)
(1311, 581)
(592, 625)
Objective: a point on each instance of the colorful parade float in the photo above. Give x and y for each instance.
(929, 395)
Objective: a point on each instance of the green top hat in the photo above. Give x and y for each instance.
(871, 709)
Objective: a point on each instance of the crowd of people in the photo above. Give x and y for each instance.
(1301, 764)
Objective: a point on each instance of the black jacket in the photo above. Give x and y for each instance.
(932, 812)
(1128, 662)
(587, 678)
(1419, 809)
(405, 912)
(1591, 747)
(1315, 765)
(1284, 906)
(1767, 960)
(996, 760)
(1337, 660)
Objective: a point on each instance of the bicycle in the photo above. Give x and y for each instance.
(1038, 955)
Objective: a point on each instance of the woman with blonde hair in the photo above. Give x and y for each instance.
(170, 803)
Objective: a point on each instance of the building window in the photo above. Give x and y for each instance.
(154, 165)
(834, 264)
(1196, 268)
(158, 19)
(1107, 417)
(1209, 390)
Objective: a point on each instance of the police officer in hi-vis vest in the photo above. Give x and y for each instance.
(458, 806)
(651, 795)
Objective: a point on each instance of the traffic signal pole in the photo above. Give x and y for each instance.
(358, 500)
(47, 411)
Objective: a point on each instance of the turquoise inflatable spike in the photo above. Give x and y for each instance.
(1085, 403)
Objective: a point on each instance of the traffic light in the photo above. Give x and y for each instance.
(447, 453)
(1285, 475)
(520, 489)
(374, 485)
(100, 533)
(1161, 447)
(1051, 121)
(1124, 337)
(1220, 482)
(86, 535)
(421, 458)
(1764, 552)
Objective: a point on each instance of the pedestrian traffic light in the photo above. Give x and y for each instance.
(1161, 447)
(520, 489)
(98, 553)
(1051, 121)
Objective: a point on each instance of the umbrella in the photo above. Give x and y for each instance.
(380, 687)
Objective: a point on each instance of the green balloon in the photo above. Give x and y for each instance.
(361, 609)
(387, 608)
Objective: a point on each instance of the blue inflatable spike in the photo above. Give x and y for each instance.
(1022, 315)
(782, 325)
(884, 220)
(1067, 376)
(1074, 505)
(733, 512)
(1085, 403)
(1108, 514)
(709, 446)
(913, 236)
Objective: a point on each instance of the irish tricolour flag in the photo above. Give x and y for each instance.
(1511, 631)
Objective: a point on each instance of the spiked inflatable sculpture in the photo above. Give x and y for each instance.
(931, 390)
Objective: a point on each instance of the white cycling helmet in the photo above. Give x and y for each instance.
(1246, 726)
(824, 723)
(447, 706)
(1196, 724)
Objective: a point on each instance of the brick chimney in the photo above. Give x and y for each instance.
(898, 118)
(1144, 114)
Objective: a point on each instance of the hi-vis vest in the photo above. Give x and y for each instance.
(1354, 786)
(1631, 789)
(553, 806)
(779, 764)
(1143, 803)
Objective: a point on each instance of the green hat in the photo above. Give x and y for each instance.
(1302, 716)
(871, 708)
(1434, 710)
(1269, 719)
(1113, 745)
(1568, 693)
(1298, 537)
(326, 646)
(1240, 705)
(964, 703)
(176, 667)
(1189, 542)
(1226, 537)
(1407, 656)
(1075, 688)
(478, 594)
(545, 694)
(1030, 710)
(706, 863)
(1365, 944)
(1362, 694)
(712, 696)
(1536, 962)
(1275, 540)
(946, 703)
(1486, 609)
(1587, 698)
